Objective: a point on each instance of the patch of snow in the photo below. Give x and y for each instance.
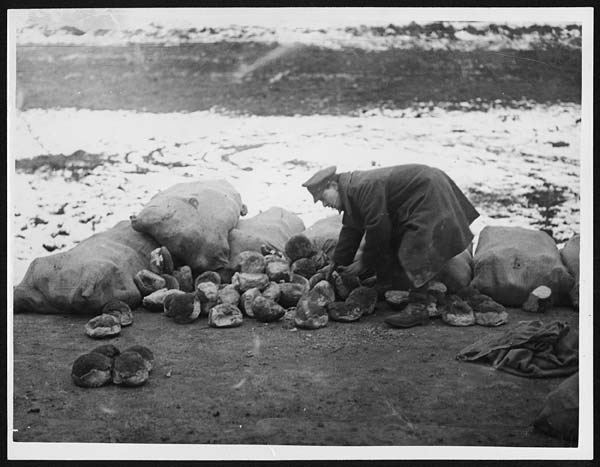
(331, 36)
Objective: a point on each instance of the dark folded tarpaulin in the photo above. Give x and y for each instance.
(531, 348)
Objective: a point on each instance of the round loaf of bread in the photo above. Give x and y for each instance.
(92, 370)
(145, 353)
(129, 369)
(103, 326)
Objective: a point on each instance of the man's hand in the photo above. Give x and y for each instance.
(354, 269)
(328, 270)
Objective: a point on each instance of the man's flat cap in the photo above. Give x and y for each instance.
(319, 180)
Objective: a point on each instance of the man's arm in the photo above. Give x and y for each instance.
(372, 200)
(348, 243)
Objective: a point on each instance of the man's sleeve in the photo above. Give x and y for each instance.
(348, 242)
(372, 200)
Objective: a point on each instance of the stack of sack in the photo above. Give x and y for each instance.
(182, 231)
(197, 227)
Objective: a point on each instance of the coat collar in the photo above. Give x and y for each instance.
(344, 180)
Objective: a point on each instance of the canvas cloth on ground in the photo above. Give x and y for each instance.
(85, 278)
(531, 348)
(512, 261)
(193, 221)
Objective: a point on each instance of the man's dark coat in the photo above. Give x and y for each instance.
(412, 212)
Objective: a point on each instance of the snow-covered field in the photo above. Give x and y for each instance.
(367, 28)
(496, 156)
(465, 36)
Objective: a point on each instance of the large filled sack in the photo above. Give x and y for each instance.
(193, 221)
(85, 278)
(271, 228)
(560, 415)
(570, 257)
(458, 272)
(512, 261)
(324, 235)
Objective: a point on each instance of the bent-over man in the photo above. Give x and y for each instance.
(413, 217)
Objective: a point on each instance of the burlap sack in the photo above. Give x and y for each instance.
(512, 261)
(86, 277)
(560, 415)
(458, 272)
(271, 228)
(570, 257)
(325, 233)
(193, 221)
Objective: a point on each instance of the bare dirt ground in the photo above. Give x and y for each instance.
(361, 383)
(347, 384)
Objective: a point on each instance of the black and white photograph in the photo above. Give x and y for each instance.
(299, 233)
